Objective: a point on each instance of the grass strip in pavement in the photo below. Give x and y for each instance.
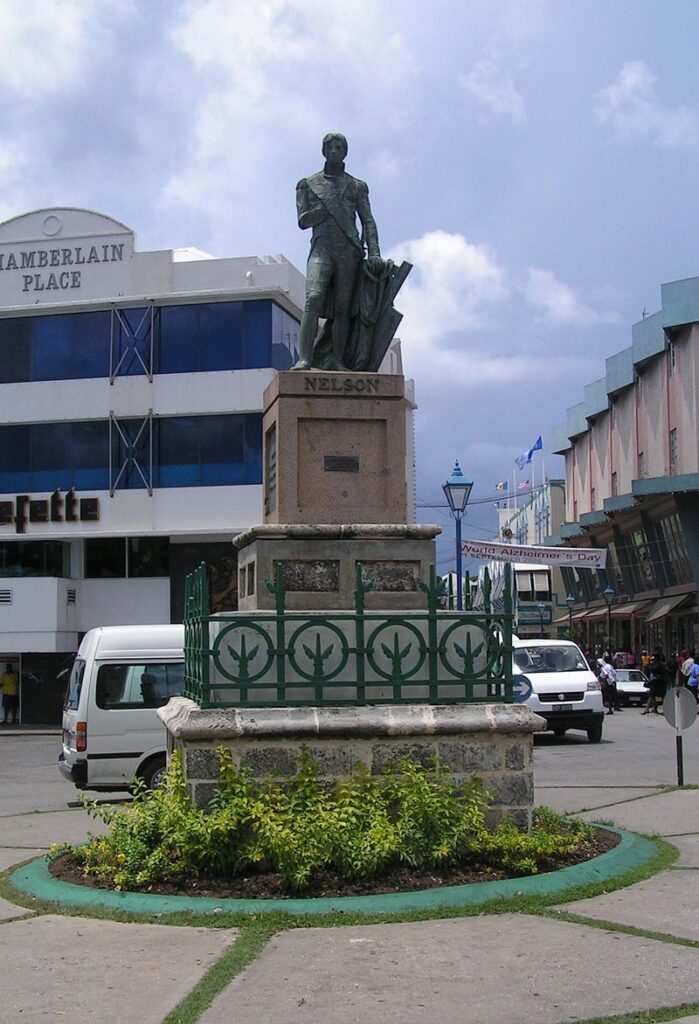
(235, 959)
(646, 1016)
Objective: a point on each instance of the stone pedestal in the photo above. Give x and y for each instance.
(335, 448)
(319, 565)
(492, 742)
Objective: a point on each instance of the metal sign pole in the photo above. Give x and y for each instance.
(680, 708)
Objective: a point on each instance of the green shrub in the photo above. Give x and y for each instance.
(358, 828)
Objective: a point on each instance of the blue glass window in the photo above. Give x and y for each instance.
(185, 339)
(205, 451)
(44, 456)
(257, 340)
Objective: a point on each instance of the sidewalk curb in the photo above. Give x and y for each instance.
(34, 879)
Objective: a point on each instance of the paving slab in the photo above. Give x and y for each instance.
(15, 855)
(11, 910)
(665, 903)
(482, 970)
(568, 800)
(78, 969)
(665, 814)
(40, 830)
(689, 851)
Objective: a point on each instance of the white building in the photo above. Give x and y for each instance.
(130, 428)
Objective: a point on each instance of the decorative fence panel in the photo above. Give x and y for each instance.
(284, 659)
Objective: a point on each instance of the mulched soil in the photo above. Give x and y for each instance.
(327, 883)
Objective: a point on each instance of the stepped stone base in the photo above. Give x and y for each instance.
(493, 742)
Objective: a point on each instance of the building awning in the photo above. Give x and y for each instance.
(623, 611)
(576, 617)
(596, 615)
(662, 608)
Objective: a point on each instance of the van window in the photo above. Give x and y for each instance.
(75, 685)
(550, 659)
(138, 686)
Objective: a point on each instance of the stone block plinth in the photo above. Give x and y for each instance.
(319, 565)
(493, 742)
(335, 448)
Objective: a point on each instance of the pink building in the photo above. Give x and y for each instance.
(631, 449)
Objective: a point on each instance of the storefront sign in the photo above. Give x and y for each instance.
(59, 508)
(586, 558)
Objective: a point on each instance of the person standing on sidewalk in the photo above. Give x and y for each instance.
(10, 690)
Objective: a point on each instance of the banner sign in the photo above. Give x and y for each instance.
(586, 558)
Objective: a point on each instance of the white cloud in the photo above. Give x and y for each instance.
(495, 89)
(452, 286)
(274, 69)
(44, 47)
(631, 106)
(456, 303)
(559, 303)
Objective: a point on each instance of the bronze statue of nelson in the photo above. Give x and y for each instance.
(353, 294)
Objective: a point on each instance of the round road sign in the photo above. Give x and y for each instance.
(521, 689)
(680, 708)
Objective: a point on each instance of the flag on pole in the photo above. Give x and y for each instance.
(526, 457)
(502, 486)
(523, 485)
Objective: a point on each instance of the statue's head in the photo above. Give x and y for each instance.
(334, 137)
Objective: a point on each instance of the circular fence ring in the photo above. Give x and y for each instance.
(394, 625)
(234, 626)
(295, 640)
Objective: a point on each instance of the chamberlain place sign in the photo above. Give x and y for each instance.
(581, 558)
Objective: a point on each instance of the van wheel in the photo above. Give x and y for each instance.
(594, 734)
(153, 772)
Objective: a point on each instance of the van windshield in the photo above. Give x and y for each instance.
(138, 686)
(75, 685)
(566, 658)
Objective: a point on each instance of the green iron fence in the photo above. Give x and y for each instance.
(286, 658)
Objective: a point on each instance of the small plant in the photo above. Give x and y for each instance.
(297, 828)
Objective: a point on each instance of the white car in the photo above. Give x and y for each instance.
(564, 690)
(632, 685)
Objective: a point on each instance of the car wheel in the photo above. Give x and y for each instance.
(153, 772)
(594, 734)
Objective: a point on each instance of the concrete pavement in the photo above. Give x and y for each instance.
(486, 969)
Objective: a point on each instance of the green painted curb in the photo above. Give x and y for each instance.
(35, 879)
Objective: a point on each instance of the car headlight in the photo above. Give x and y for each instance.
(595, 685)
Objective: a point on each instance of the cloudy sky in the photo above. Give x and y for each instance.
(535, 159)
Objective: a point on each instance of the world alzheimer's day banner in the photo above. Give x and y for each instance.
(586, 558)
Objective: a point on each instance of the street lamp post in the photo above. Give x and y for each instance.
(608, 595)
(570, 601)
(541, 606)
(457, 491)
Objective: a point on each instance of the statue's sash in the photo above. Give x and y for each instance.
(331, 201)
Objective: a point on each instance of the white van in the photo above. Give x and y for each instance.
(111, 731)
(564, 690)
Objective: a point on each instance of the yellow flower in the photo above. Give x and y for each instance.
(121, 857)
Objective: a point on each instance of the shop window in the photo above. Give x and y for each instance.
(35, 558)
(105, 558)
(148, 556)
